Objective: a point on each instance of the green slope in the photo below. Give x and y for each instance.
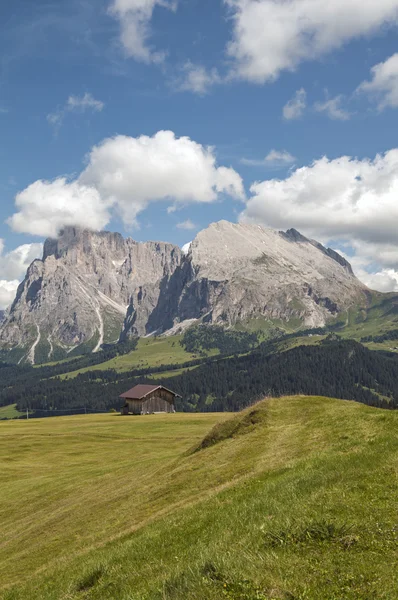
(150, 352)
(9, 412)
(294, 498)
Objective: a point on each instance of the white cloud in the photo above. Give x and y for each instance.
(84, 102)
(13, 266)
(75, 104)
(188, 224)
(385, 280)
(46, 206)
(135, 18)
(333, 109)
(347, 200)
(8, 289)
(382, 279)
(197, 79)
(271, 36)
(384, 83)
(186, 247)
(274, 159)
(344, 198)
(125, 175)
(296, 106)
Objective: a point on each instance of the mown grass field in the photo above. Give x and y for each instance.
(150, 352)
(294, 499)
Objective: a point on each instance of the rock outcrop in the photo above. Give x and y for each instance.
(92, 288)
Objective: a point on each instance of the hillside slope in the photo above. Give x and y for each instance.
(295, 500)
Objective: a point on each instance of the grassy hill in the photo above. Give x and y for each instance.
(150, 352)
(295, 498)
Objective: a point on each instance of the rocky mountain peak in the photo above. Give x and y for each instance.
(96, 287)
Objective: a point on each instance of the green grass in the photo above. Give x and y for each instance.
(150, 352)
(292, 499)
(9, 412)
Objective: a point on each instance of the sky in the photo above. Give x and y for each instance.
(156, 118)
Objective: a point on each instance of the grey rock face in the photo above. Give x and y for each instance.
(236, 272)
(91, 288)
(79, 292)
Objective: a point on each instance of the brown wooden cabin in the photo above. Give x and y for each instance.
(149, 399)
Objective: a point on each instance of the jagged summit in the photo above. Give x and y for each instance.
(79, 292)
(95, 287)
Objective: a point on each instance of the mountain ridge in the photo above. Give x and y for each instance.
(92, 288)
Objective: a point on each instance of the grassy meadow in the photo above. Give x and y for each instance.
(9, 412)
(294, 498)
(150, 352)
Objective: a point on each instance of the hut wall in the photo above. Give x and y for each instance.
(159, 401)
(135, 406)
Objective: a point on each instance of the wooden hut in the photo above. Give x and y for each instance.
(149, 399)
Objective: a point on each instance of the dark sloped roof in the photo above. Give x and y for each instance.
(140, 391)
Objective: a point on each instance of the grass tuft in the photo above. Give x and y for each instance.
(318, 531)
(243, 423)
(91, 579)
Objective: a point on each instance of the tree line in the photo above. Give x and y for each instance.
(335, 368)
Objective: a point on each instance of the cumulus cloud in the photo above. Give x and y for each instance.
(271, 36)
(125, 175)
(135, 18)
(46, 206)
(347, 200)
(296, 106)
(8, 290)
(383, 86)
(197, 79)
(383, 279)
(274, 159)
(333, 109)
(75, 104)
(188, 224)
(13, 266)
(186, 247)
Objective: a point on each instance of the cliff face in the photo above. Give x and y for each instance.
(91, 288)
(79, 292)
(236, 272)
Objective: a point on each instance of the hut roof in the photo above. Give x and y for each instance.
(140, 391)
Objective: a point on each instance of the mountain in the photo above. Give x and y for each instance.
(79, 292)
(92, 288)
(238, 272)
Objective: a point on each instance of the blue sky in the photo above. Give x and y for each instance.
(87, 85)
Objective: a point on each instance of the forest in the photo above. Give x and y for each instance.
(336, 368)
(379, 339)
(201, 338)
